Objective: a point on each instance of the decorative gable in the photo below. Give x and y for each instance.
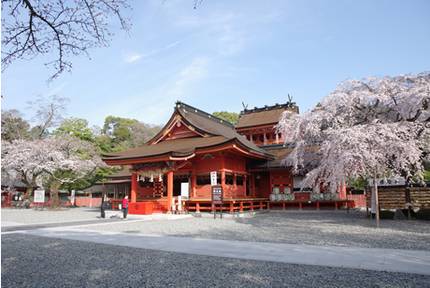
(177, 129)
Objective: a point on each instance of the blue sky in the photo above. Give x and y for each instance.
(225, 52)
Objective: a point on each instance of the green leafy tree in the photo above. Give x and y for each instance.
(120, 134)
(231, 117)
(75, 127)
(118, 128)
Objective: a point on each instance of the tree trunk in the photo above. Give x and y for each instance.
(376, 198)
(54, 195)
(30, 187)
(27, 196)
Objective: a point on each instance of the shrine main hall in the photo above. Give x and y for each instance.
(196, 150)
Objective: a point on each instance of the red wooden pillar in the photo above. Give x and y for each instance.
(169, 190)
(193, 185)
(234, 186)
(133, 187)
(224, 188)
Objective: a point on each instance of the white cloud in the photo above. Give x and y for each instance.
(190, 74)
(56, 90)
(132, 57)
(173, 44)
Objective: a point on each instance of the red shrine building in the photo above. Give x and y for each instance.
(195, 147)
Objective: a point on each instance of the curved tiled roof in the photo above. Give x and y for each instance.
(218, 133)
(263, 116)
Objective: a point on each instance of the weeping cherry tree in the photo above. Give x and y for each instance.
(365, 128)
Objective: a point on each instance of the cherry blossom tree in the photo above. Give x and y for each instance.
(51, 160)
(24, 160)
(365, 128)
(70, 159)
(68, 28)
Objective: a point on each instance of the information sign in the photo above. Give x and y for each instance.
(217, 198)
(217, 195)
(39, 196)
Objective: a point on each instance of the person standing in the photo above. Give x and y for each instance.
(125, 207)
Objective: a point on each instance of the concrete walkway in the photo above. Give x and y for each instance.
(392, 260)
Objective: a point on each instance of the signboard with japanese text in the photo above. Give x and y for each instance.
(217, 198)
(398, 181)
(39, 196)
(213, 178)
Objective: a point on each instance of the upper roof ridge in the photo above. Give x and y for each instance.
(188, 108)
(289, 104)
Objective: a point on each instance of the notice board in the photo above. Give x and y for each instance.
(217, 198)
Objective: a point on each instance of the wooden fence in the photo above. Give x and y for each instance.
(401, 197)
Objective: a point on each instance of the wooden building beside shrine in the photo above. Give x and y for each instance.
(193, 145)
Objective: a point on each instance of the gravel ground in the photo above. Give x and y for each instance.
(28, 216)
(307, 228)
(329, 228)
(32, 261)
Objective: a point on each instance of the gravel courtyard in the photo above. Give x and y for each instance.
(50, 262)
